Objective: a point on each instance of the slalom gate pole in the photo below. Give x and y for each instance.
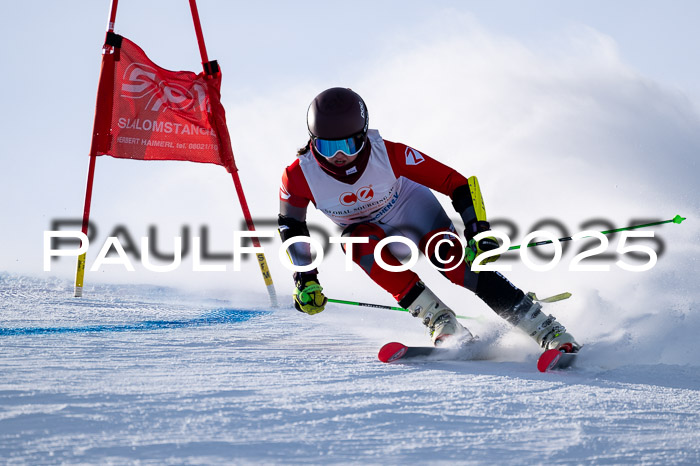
(211, 70)
(677, 219)
(390, 308)
(102, 117)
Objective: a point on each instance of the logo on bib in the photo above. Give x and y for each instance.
(348, 198)
(364, 194)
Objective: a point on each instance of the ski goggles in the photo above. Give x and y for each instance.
(349, 146)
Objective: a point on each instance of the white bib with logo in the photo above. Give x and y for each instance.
(370, 198)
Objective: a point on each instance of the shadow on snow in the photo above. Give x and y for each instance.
(215, 317)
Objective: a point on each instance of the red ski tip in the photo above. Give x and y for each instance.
(548, 359)
(392, 351)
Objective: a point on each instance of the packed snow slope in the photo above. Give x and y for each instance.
(150, 375)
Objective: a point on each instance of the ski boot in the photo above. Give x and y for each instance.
(545, 330)
(435, 315)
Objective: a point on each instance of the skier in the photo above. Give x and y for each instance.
(374, 188)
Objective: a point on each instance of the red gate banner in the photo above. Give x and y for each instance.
(158, 114)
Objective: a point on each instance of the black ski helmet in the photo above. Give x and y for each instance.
(337, 113)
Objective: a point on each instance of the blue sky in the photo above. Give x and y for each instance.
(599, 91)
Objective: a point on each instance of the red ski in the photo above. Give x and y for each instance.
(398, 352)
(554, 359)
(394, 351)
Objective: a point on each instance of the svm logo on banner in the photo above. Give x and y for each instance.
(141, 81)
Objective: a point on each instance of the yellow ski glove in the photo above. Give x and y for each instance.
(469, 203)
(309, 297)
(474, 249)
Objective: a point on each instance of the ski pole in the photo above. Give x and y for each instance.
(677, 219)
(391, 308)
